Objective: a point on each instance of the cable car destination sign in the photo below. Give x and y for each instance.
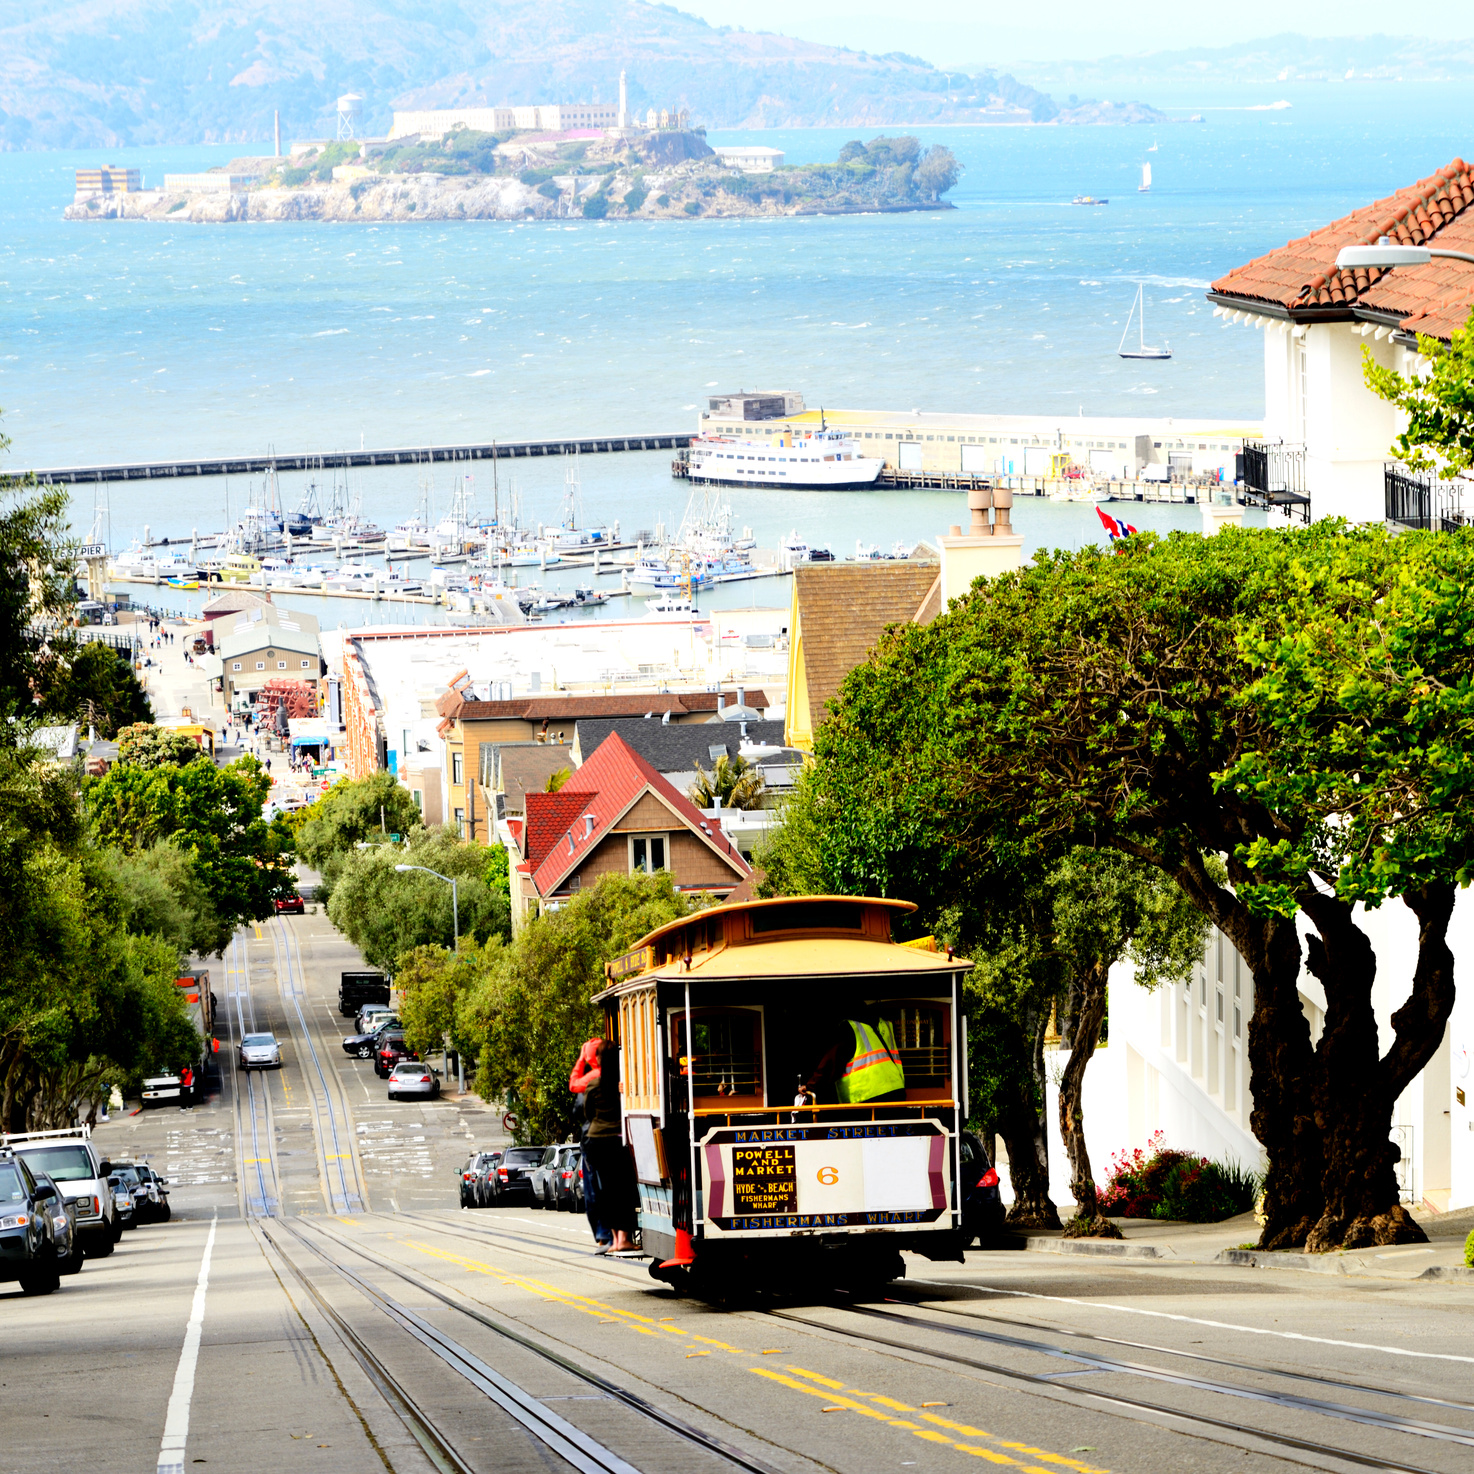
(775, 1179)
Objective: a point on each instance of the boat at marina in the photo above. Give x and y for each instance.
(826, 460)
(671, 603)
(1142, 350)
(142, 562)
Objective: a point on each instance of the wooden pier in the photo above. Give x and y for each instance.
(337, 460)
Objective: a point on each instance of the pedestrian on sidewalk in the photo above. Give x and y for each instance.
(614, 1179)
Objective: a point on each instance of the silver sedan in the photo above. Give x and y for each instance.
(410, 1077)
(260, 1052)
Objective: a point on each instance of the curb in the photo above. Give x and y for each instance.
(1099, 1248)
(1281, 1259)
(1448, 1272)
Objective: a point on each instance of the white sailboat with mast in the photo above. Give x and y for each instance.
(1143, 348)
(1146, 179)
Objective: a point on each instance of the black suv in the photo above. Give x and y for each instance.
(27, 1233)
(514, 1173)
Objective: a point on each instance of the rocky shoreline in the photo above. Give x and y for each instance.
(437, 197)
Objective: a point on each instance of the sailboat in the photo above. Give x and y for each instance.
(1138, 311)
(1146, 179)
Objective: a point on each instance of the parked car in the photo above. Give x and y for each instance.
(65, 1240)
(542, 1178)
(486, 1165)
(180, 1086)
(357, 988)
(412, 1078)
(72, 1161)
(260, 1052)
(159, 1209)
(567, 1180)
(365, 1045)
(27, 1227)
(468, 1182)
(124, 1215)
(389, 1050)
(290, 905)
(372, 1016)
(514, 1173)
(982, 1203)
(126, 1175)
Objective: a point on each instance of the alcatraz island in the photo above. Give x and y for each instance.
(535, 163)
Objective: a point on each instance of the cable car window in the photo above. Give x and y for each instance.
(921, 1042)
(727, 1059)
(809, 916)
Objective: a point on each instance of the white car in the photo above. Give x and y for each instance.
(410, 1077)
(260, 1052)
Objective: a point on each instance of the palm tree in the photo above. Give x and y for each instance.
(557, 780)
(732, 780)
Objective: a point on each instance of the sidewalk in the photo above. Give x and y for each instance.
(1149, 1240)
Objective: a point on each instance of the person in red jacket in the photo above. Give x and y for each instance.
(596, 1078)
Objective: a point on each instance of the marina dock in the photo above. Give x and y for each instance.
(337, 460)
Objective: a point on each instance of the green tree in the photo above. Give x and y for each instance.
(853, 152)
(386, 914)
(354, 811)
(733, 780)
(938, 171)
(143, 745)
(212, 815)
(529, 1013)
(165, 896)
(1295, 703)
(37, 589)
(433, 982)
(1439, 407)
(94, 684)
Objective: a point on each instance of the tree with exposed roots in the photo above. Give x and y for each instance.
(1295, 707)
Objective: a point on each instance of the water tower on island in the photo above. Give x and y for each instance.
(348, 115)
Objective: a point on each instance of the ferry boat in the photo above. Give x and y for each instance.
(821, 459)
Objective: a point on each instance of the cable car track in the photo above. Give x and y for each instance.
(572, 1444)
(256, 1101)
(1093, 1362)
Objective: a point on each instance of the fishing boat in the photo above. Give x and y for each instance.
(1146, 179)
(1088, 199)
(1143, 349)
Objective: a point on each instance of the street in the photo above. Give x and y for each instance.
(351, 1317)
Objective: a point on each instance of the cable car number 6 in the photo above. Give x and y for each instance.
(828, 1176)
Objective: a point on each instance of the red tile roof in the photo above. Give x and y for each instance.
(1301, 280)
(612, 777)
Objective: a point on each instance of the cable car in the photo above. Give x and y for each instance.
(792, 1088)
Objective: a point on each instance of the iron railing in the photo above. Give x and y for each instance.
(1418, 501)
(1272, 475)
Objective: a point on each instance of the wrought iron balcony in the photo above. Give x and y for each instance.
(1415, 500)
(1272, 476)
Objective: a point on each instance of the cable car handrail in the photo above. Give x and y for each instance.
(880, 1105)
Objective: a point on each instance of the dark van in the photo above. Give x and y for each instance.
(358, 988)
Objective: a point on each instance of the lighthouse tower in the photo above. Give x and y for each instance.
(624, 108)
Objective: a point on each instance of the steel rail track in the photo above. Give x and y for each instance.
(437, 1447)
(1134, 1406)
(242, 991)
(1288, 1402)
(343, 1198)
(692, 1435)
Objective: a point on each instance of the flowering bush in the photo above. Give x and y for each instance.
(1166, 1183)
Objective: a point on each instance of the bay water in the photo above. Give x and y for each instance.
(129, 341)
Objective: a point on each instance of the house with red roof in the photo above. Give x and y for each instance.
(616, 814)
(1327, 447)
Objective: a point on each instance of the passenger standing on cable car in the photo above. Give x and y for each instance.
(861, 1065)
(614, 1177)
(588, 1058)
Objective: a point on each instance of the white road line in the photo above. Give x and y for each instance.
(176, 1421)
(1192, 1320)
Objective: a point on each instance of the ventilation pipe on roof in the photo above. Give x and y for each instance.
(665, 720)
(588, 825)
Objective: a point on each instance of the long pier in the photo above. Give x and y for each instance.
(338, 460)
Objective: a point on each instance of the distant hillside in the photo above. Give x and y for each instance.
(115, 72)
(1284, 58)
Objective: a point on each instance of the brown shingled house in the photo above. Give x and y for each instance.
(1328, 438)
(839, 611)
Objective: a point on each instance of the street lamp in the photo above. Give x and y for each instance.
(1389, 253)
(454, 903)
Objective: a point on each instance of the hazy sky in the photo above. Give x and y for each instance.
(961, 32)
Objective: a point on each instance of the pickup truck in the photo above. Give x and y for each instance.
(357, 988)
(80, 1172)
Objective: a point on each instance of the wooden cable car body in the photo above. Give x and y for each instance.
(719, 1016)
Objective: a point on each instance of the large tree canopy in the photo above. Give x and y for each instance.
(1298, 703)
(1439, 406)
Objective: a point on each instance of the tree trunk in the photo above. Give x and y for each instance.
(1025, 1133)
(1358, 1088)
(1085, 1013)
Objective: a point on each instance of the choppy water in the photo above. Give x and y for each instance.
(127, 341)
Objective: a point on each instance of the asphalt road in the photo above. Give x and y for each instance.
(348, 1316)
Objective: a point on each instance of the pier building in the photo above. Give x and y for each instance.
(1118, 448)
(259, 650)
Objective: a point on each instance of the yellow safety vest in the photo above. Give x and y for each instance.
(876, 1066)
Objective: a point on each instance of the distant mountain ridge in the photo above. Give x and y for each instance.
(132, 72)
